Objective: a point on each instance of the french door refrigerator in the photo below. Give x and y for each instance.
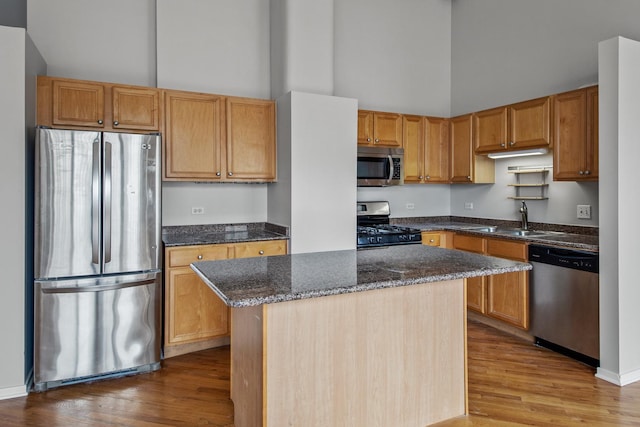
(97, 287)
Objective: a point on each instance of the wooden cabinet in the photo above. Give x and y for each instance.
(518, 126)
(195, 318)
(442, 239)
(501, 296)
(575, 151)
(80, 104)
(426, 149)
(466, 167)
(377, 128)
(203, 129)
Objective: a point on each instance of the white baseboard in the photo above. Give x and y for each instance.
(11, 392)
(618, 379)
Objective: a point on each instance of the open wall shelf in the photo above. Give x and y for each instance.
(536, 177)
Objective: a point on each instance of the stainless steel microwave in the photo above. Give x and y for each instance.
(380, 167)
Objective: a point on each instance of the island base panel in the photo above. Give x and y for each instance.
(384, 357)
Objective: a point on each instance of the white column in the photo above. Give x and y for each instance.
(619, 151)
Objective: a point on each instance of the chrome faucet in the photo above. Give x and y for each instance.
(525, 216)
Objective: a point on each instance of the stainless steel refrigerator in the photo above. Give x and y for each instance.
(97, 287)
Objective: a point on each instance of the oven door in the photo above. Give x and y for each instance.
(379, 167)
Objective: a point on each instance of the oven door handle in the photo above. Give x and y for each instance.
(391, 168)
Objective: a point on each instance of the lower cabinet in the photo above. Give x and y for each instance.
(194, 317)
(502, 296)
(440, 239)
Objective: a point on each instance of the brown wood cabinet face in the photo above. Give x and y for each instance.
(509, 249)
(431, 239)
(377, 128)
(461, 145)
(78, 104)
(193, 136)
(135, 108)
(575, 154)
(413, 143)
(251, 144)
(508, 298)
(262, 248)
(436, 147)
(476, 291)
(490, 130)
(530, 124)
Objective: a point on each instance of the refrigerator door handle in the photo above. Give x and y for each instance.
(107, 202)
(99, 288)
(95, 208)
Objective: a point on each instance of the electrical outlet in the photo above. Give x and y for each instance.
(584, 211)
(468, 205)
(410, 206)
(197, 211)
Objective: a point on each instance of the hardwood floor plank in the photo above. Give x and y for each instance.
(511, 383)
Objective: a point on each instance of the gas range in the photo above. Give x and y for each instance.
(374, 229)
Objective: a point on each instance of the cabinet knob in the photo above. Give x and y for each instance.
(420, 177)
(377, 140)
(261, 252)
(99, 122)
(368, 139)
(580, 172)
(217, 173)
(587, 172)
(431, 241)
(469, 177)
(199, 256)
(116, 123)
(502, 144)
(230, 173)
(511, 144)
(428, 177)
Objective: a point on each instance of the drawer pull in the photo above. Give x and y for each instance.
(199, 256)
(261, 252)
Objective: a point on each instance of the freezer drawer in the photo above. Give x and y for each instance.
(91, 328)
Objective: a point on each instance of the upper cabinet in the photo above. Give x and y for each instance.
(466, 167)
(514, 127)
(217, 138)
(426, 149)
(80, 104)
(379, 129)
(575, 153)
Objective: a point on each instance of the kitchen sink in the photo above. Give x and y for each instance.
(524, 233)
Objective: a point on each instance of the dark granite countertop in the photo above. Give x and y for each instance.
(265, 280)
(186, 235)
(583, 238)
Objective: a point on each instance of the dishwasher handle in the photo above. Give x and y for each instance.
(569, 258)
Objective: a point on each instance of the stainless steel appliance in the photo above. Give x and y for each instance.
(380, 167)
(565, 301)
(97, 287)
(374, 229)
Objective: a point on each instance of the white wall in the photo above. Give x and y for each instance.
(394, 55)
(279, 193)
(619, 291)
(16, 82)
(105, 41)
(505, 51)
(491, 200)
(217, 46)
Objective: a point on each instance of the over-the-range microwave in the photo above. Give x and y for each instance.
(380, 167)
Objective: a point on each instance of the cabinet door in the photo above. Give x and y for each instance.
(78, 104)
(193, 135)
(436, 147)
(387, 129)
(530, 124)
(135, 108)
(251, 140)
(431, 239)
(570, 148)
(509, 249)
(413, 143)
(476, 291)
(508, 298)
(262, 248)
(193, 311)
(469, 243)
(592, 172)
(461, 163)
(365, 127)
(490, 130)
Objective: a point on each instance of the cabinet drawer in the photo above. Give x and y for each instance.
(507, 249)
(431, 239)
(185, 255)
(262, 248)
(469, 243)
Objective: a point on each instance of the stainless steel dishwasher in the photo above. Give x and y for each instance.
(565, 301)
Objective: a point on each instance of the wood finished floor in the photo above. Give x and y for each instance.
(511, 382)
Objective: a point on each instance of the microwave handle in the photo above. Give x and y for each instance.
(391, 167)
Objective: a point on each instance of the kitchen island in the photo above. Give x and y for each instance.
(373, 337)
